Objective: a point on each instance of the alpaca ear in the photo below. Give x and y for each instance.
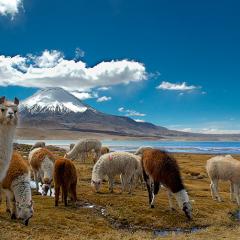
(16, 101)
(2, 100)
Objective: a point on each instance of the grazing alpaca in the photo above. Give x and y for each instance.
(224, 168)
(82, 148)
(41, 161)
(16, 186)
(112, 164)
(160, 168)
(104, 150)
(8, 124)
(38, 145)
(65, 177)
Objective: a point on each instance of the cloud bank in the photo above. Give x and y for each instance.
(51, 69)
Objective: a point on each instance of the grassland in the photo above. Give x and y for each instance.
(127, 216)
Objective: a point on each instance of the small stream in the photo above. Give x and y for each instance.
(125, 225)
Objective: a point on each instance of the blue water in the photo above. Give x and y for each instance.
(171, 146)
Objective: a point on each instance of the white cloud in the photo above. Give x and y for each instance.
(176, 86)
(210, 130)
(51, 69)
(129, 112)
(138, 120)
(104, 99)
(10, 7)
(48, 59)
(84, 95)
(103, 88)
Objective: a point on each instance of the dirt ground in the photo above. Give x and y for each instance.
(124, 216)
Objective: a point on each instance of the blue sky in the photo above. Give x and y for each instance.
(170, 62)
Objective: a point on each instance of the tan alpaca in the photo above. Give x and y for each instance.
(16, 186)
(8, 124)
(42, 161)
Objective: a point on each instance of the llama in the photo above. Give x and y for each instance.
(41, 161)
(65, 177)
(104, 150)
(161, 168)
(224, 168)
(112, 164)
(82, 148)
(16, 186)
(38, 145)
(8, 124)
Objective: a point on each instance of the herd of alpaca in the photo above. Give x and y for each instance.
(156, 167)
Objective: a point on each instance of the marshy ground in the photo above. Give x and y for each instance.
(123, 216)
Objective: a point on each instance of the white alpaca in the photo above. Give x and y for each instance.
(8, 124)
(82, 148)
(224, 168)
(112, 164)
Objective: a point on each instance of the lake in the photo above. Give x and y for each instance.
(171, 146)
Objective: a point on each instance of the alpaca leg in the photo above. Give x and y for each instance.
(8, 204)
(147, 180)
(74, 193)
(65, 195)
(215, 189)
(122, 182)
(14, 210)
(170, 199)
(57, 192)
(111, 183)
(236, 193)
(35, 175)
(232, 192)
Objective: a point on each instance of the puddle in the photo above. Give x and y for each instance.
(123, 224)
(176, 231)
(235, 215)
(33, 186)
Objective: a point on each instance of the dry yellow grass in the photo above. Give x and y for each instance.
(50, 222)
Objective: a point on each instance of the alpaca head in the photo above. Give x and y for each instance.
(8, 111)
(96, 184)
(24, 211)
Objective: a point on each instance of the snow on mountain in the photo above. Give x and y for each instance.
(55, 100)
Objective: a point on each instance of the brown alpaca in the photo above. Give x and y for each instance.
(65, 177)
(161, 168)
(42, 162)
(104, 150)
(16, 186)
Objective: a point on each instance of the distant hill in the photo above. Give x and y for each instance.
(55, 109)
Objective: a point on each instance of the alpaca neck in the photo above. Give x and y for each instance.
(6, 141)
(181, 197)
(22, 189)
(98, 172)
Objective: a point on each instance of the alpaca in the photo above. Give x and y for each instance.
(8, 124)
(104, 150)
(16, 186)
(112, 164)
(41, 161)
(82, 148)
(65, 177)
(38, 145)
(224, 168)
(161, 168)
(140, 150)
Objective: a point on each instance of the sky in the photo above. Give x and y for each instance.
(173, 63)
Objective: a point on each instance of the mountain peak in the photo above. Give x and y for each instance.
(53, 99)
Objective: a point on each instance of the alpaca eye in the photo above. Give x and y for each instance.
(15, 111)
(2, 109)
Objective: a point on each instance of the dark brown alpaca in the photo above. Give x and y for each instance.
(161, 168)
(65, 177)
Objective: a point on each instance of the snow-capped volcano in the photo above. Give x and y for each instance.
(55, 100)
